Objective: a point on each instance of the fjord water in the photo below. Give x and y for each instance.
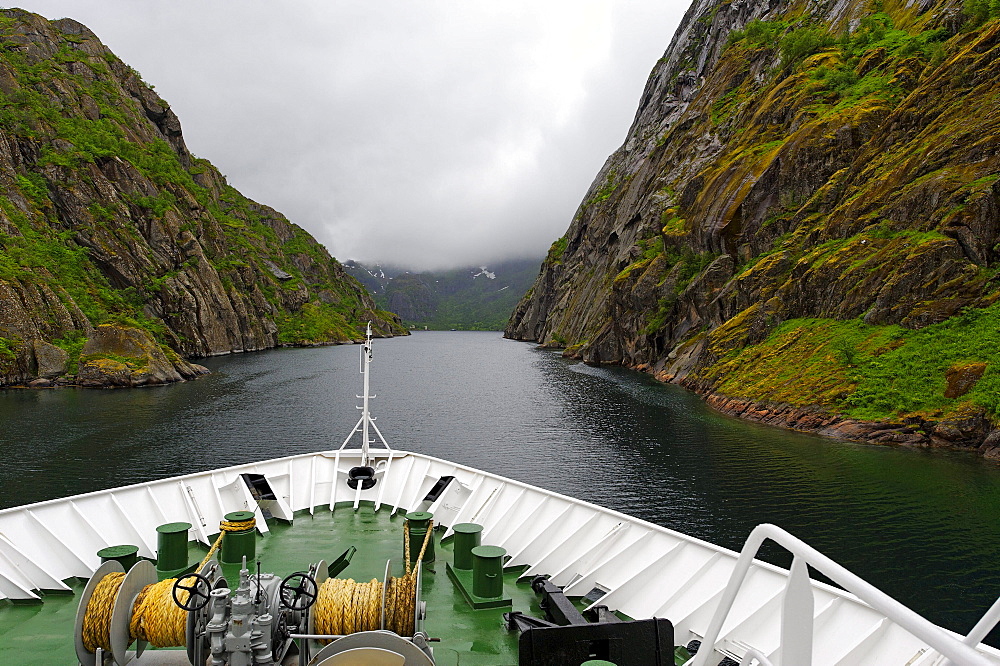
(922, 525)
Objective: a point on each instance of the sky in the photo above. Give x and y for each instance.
(429, 135)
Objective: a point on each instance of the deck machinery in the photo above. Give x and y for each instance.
(267, 620)
(313, 618)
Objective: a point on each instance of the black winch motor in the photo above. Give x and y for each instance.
(567, 637)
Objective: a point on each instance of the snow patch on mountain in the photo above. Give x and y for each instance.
(483, 271)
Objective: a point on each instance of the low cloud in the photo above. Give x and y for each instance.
(431, 134)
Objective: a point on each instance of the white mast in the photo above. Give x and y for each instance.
(366, 359)
(367, 422)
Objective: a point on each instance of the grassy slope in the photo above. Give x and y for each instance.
(864, 371)
(41, 110)
(871, 372)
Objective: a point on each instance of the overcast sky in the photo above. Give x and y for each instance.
(419, 133)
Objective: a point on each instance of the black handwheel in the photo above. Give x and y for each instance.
(198, 591)
(298, 591)
(279, 638)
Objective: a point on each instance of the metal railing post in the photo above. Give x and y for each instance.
(934, 636)
(797, 609)
(755, 655)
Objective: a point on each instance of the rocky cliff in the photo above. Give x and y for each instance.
(120, 252)
(803, 221)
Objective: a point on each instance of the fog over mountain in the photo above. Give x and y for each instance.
(468, 298)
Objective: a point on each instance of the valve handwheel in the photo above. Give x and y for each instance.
(298, 591)
(198, 591)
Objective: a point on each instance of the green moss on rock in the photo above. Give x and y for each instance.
(108, 219)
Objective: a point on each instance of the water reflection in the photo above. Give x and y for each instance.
(917, 522)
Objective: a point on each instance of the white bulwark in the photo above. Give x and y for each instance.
(750, 611)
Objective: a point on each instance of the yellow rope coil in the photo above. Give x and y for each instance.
(97, 619)
(238, 525)
(155, 617)
(344, 606)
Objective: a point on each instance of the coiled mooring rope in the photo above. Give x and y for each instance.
(235, 526)
(155, 617)
(96, 629)
(344, 606)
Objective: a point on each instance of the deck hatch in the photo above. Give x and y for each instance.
(595, 594)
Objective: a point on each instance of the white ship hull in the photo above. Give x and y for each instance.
(645, 570)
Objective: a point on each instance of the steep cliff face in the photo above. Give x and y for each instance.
(108, 222)
(804, 210)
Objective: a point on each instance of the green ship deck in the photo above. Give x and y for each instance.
(42, 634)
(721, 598)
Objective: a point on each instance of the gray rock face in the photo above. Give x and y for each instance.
(106, 216)
(748, 192)
(991, 446)
(51, 360)
(572, 298)
(119, 356)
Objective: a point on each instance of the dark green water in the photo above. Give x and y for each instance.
(924, 526)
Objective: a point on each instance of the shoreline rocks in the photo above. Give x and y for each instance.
(112, 356)
(125, 356)
(974, 433)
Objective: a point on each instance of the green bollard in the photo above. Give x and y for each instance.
(597, 662)
(172, 546)
(467, 537)
(237, 545)
(417, 523)
(487, 571)
(126, 555)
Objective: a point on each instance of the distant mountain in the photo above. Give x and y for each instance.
(478, 298)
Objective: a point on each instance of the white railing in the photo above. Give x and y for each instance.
(797, 607)
(985, 625)
(754, 656)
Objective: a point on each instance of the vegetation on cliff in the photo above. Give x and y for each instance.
(107, 219)
(943, 371)
(808, 213)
